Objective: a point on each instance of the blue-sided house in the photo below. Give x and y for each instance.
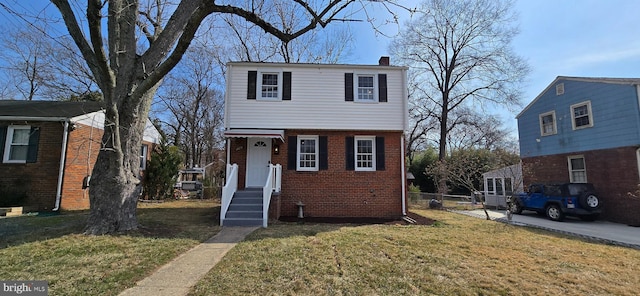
(582, 129)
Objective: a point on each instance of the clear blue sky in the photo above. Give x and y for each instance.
(592, 38)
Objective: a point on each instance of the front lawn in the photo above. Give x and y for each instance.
(458, 255)
(53, 248)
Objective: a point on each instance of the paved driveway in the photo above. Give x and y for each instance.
(607, 232)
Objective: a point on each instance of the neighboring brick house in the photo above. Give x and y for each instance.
(336, 131)
(36, 135)
(587, 130)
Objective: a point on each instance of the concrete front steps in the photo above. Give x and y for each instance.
(245, 208)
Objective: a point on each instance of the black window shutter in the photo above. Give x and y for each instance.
(3, 134)
(32, 150)
(251, 85)
(348, 87)
(349, 154)
(286, 86)
(292, 152)
(324, 151)
(379, 153)
(382, 87)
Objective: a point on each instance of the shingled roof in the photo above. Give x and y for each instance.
(46, 109)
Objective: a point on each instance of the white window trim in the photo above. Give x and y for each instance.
(573, 115)
(356, 98)
(144, 150)
(259, 85)
(9, 139)
(317, 153)
(555, 126)
(571, 170)
(373, 151)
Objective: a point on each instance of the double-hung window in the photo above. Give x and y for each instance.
(365, 152)
(307, 155)
(581, 115)
(269, 86)
(17, 144)
(577, 169)
(548, 123)
(143, 156)
(366, 88)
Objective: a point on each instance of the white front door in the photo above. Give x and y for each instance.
(258, 160)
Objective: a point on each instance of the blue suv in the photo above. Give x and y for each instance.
(559, 200)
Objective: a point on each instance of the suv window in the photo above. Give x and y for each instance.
(553, 190)
(577, 189)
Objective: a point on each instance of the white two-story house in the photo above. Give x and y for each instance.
(329, 137)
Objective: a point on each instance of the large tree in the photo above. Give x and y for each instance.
(128, 71)
(460, 57)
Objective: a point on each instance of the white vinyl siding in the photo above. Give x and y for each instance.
(548, 124)
(307, 155)
(581, 116)
(577, 169)
(317, 100)
(17, 144)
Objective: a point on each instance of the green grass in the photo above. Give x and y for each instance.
(458, 255)
(54, 249)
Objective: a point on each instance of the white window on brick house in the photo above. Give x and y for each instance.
(577, 169)
(307, 155)
(548, 123)
(365, 152)
(581, 115)
(144, 150)
(16, 145)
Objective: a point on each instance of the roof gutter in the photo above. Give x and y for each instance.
(29, 118)
(63, 155)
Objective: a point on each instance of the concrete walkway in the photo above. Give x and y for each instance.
(179, 275)
(602, 231)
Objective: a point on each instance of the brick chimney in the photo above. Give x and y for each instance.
(384, 61)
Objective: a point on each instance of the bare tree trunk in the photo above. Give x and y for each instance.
(115, 183)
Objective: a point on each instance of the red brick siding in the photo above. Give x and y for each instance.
(336, 192)
(39, 179)
(613, 172)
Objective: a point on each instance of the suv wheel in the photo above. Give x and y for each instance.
(554, 212)
(516, 208)
(589, 201)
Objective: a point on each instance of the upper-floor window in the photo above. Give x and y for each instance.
(269, 85)
(307, 153)
(548, 123)
(577, 169)
(366, 88)
(144, 150)
(581, 115)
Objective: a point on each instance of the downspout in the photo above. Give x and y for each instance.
(405, 124)
(404, 177)
(63, 155)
